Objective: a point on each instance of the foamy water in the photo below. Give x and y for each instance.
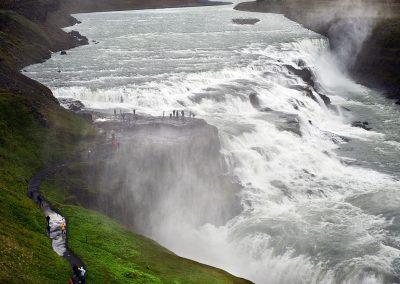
(316, 209)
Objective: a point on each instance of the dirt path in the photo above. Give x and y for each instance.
(59, 239)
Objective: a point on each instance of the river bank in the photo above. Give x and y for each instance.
(365, 34)
(31, 30)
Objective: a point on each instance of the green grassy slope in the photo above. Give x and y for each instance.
(114, 254)
(35, 133)
(26, 144)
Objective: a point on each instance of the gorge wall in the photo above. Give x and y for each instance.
(365, 35)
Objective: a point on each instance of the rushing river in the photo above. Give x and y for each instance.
(323, 206)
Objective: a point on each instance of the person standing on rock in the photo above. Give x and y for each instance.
(83, 274)
(134, 112)
(63, 228)
(115, 113)
(170, 116)
(173, 112)
(183, 113)
(48, 225)
(76, 274)
(40, 201)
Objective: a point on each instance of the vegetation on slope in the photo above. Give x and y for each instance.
(29, 139)
(114, 254)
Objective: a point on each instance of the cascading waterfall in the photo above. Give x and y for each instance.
(313, 204)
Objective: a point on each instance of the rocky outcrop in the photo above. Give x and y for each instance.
(167, 170)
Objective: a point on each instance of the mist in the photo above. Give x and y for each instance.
(164, 177)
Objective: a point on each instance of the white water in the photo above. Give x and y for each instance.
(313, 210)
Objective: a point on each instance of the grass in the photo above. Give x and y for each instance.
(114, 254)
(26, 145)
(32, 137)
(21, 40)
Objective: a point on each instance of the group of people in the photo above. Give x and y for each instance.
(181, 113)
(173, 114)
(63, 227)
(78, 276)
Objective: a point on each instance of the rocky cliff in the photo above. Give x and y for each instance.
(365, 34)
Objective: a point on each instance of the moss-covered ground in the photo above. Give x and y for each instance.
(29, 139)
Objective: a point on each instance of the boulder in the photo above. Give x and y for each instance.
(255, 102)
(78, 37)
(63, 52)
(245, 21)
(361, 124)
(71, 104)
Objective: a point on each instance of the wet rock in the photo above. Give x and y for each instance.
(71, 104)
(288, 122)
(304, 73)
(63, 52)
(361, 124)
(265, 109)
(326, 99)
(255, 102)
(337, 139)
(309, 173)
(306, 90)
(78, 37)
(296, 104)
(301, 63)
(245, 21)
(285, 190)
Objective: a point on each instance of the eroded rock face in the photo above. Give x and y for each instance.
(167, 173)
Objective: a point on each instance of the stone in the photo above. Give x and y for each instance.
(245, 21)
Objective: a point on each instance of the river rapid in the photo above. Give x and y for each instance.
(320, 199)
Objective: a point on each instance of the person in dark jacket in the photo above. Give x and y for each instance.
(48, 224)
